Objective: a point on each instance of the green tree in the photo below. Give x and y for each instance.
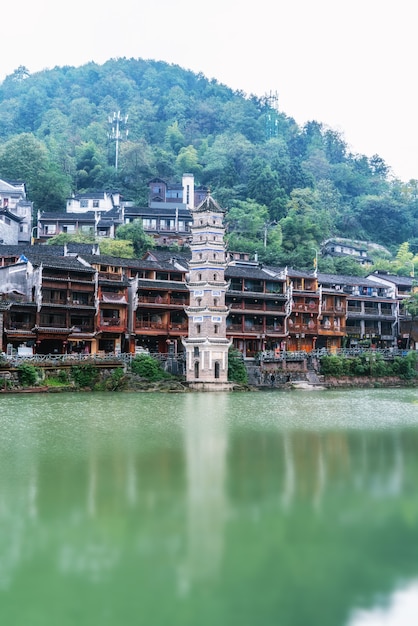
(174, 138)
(411, 305)
(134, 232)
(247, 218)
(188, 161)
(405, 260)
(118, 248)
(237, 371)
(148, 367)
(89, 166)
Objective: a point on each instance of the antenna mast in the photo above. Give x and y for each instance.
(271, 102)
(115, 134)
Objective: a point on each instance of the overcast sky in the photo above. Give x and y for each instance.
(350, 65)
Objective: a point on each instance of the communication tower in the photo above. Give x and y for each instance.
(271, 103)
(116, 134)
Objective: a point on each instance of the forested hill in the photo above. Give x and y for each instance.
(297, 185)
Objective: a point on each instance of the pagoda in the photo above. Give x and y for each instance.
(206, 345)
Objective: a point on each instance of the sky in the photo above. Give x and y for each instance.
(349, 65)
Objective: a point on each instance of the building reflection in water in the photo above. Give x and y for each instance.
(312, 462)
(205, 434)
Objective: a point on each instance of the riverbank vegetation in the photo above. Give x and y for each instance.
(371, 365)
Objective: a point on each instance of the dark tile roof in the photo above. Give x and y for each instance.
(339, 279)
(162, 284)
(209, 204)
(60, 217)
(162, 209)
(58, 262)
(396, 280)
(167, 255)
(249, 271)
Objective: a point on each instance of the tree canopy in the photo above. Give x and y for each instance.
(303, 182)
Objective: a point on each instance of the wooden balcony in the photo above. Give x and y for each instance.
(256, 329)
(329, 309)
(307, 308)
(110, 276)
(353, 330)
(308, 329)
(83, 328)
(20, 325)
(112, 324)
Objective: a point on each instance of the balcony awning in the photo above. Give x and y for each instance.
(114, 298)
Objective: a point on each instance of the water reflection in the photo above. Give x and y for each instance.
(219, 505)
(205, 448)
(314, 462)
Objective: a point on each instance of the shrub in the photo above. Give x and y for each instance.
(28, 375)
(85, 375)
(237, 371)
(114, 381)
(147, 367)
(406, 367)
(333, 366)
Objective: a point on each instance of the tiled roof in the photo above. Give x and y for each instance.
(251, 271)
(162, 284)
(208, 204)
(58, 262)
(338, 279)
(62, 217)
(396, 280)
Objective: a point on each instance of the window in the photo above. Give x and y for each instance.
(196, 351)
(95, 204)
(198, 329)
(149, 224)
(216, 329)
(84, 204)
(50, 229)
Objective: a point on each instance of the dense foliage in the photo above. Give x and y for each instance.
(237, 372)
(295, 186)
(148, 367)
(370, 364)
(27, 374)
(85, 375)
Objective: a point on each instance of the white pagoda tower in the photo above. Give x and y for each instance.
(206, 345)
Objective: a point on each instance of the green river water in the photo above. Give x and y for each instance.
(272, 508)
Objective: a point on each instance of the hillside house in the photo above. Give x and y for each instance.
(15, 213)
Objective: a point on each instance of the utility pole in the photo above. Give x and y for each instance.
(115, 134)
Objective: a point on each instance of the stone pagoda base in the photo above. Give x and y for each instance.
(196, 385)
